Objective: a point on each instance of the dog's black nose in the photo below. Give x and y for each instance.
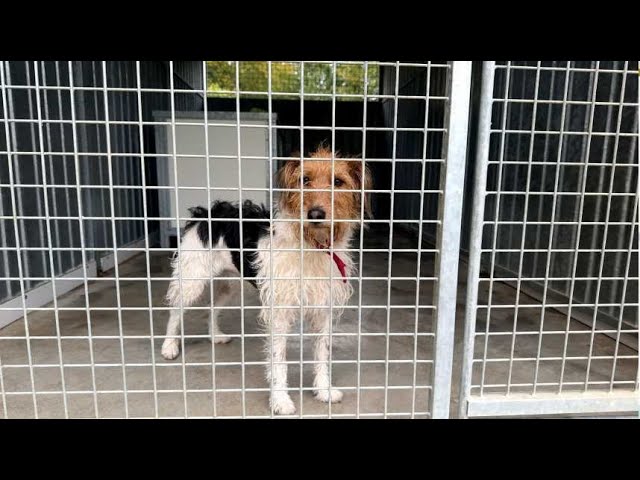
(316, 213)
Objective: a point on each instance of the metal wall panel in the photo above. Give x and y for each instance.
(95, 155)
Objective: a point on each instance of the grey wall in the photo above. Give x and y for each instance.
(539, 178)
(599, 151)
(410, 145)
(57, 142)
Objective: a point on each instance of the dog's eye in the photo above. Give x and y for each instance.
(338, 182)
(306, 180)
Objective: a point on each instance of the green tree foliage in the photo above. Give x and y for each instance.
(286, 78)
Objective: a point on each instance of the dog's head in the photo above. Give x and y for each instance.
(308, 186)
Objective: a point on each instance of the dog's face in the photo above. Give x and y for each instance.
(349, 177)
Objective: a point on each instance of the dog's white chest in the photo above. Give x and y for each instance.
(282, 273)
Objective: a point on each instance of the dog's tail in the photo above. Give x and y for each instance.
(197, 213)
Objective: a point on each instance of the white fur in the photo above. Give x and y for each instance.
(195, 262)
(274, 292)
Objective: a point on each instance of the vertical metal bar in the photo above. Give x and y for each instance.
(450, 215)
(496, 223)
(362, 227)
(551, 229)
(54, 201)
(127, 199)
(36, 174)
(390, 239)
(117, 167)
(135, 166)
(77, 77)
(583, 165)
(634, 223)
(123, 164)
(49, 238)
(5, 409)
(83, 253)
(543, 181)
(114, 235)
(5, 253)
(301, 233)
(3, 238)
(118, 106)
(585, 159)
(14, 209)
(625, 208)
(14, 138)
(271, 225)
(73, 255)
(423, 178)
(176, 190)
(84, 147)
(524, 229)
(334, 72)
(600, 186)
(147, 253)
(128, 176)
(205, 108)
(131, 170)
(483, 141)
(4, 241)
(561, 198)
(603, 251)
(103, 204)
(239, 146)
(516, 168)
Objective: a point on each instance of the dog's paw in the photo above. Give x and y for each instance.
(170, 348)
(221, 339)
(282, 404)
(323, 395)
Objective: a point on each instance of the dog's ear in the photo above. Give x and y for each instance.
(363, 178)
(287, 174)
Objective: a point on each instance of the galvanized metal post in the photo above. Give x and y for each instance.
(475, 236)
(448, 243)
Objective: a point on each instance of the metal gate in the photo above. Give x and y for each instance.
(551, 322)
(91, 133)
(92, 189)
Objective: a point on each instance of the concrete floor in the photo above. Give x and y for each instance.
(136, 348)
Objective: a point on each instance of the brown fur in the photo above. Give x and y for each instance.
(346, 205)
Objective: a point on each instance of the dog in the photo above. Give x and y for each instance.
(272, 264)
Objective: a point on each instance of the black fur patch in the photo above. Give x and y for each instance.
(251, 231)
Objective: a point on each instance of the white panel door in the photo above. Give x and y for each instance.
(223, 162)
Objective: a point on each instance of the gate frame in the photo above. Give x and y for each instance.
(448, 236)
(626, 403)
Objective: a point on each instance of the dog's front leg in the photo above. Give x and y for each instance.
(278, 327)
(321, 323)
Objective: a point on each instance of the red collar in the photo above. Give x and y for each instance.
(339, 263)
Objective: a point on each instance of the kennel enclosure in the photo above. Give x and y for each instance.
(526, 171)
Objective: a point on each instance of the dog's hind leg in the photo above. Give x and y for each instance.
(222, 292)
(192, 270)
(191, 292)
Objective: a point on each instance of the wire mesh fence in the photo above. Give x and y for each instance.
(554, 254)
(290, 79)
(100, 162)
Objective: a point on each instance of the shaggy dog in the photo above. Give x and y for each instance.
(271, 260)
